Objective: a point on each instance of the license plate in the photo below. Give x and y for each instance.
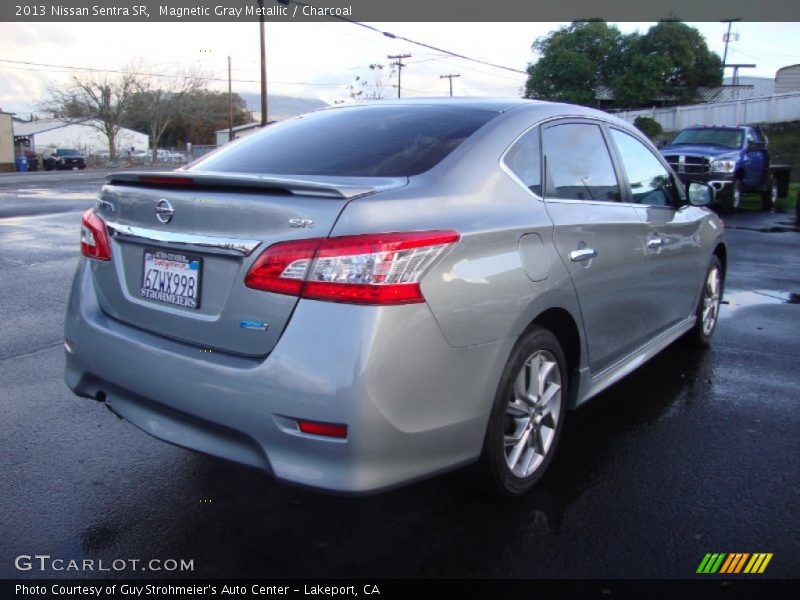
(172, 278)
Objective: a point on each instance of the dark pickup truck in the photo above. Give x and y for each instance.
(63, 159)
(733, 160)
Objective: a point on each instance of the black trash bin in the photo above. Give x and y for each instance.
(33, 160)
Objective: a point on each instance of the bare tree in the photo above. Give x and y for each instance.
(160, 99)
(101, 99)
(372, 86)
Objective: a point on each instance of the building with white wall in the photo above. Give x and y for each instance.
(6, 142)
(240, 131)
(47, 134)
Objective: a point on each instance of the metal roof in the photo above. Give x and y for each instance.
(34, 127)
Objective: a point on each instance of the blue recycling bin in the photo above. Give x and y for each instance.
(22, 164)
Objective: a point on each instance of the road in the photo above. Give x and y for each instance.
(696, 452)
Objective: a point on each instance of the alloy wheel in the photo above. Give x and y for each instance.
(773, 195)
(737, 194)
(711, 301)
(532, 414)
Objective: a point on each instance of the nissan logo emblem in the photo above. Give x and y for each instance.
(164, 210)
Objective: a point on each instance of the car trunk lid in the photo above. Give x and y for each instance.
(182, 244)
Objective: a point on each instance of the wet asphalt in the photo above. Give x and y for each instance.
(698, 451)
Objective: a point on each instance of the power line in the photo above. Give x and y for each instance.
(165, 75)
(416, 43)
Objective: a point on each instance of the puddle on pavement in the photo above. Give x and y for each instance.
(735, 299)
(782, 227)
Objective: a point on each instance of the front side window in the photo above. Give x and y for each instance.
(578, 164)
(524, 160)
(650, 181)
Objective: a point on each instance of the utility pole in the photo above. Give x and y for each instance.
(736, 67)
(399, 64)
(450, 77)
(263, 64)
(727, 39)
(230, 104)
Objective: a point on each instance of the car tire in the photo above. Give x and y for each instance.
(527, 415)
(769, 198)
(733, 198)
(708, 306)
(797, 207)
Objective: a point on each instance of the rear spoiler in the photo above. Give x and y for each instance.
(315, 185)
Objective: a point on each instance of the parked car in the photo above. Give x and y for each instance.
(170, 156)
(733, 160)
(364, 296)
(63, 159)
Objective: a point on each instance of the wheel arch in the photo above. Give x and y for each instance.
(721, 252)
(562, 324)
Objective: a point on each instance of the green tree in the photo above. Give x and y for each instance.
(203, 113)
(575, 61)
(670, 61)
(688, 63)
(638, 80)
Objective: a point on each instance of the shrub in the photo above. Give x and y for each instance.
(650, 127)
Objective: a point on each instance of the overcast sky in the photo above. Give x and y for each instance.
(319, 60)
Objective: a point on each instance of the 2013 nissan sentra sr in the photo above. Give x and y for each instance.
(364, 296)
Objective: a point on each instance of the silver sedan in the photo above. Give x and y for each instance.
(368, 295)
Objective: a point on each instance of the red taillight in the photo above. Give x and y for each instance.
(325, 429)
(94, 237)
(384, 268)
(165, 180)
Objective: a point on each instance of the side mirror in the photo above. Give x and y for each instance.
(700, 194)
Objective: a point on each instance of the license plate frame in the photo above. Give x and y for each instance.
(172, 265)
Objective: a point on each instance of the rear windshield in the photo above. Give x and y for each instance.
(363, 141)
(729, 138)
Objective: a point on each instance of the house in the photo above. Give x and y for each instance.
(6, 142)
(78, 134)
(757, 86)
(280, 109)
(787, 79)
(240, 131)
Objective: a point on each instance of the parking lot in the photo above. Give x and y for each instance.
(696, 452)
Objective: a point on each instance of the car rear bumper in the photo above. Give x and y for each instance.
(414, 406)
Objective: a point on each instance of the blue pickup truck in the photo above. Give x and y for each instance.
(733, 160)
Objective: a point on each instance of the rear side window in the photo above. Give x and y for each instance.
(524, 160)
(364, 141)
(578, 164)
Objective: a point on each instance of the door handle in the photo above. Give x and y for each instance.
(655, 242)
(582, 254)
